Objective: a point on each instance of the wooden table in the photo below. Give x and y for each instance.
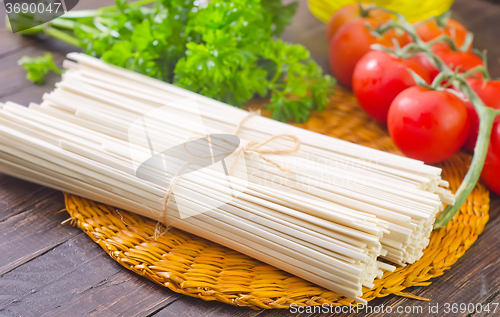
(53, 269)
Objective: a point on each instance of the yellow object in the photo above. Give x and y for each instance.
(413, 10)
(196, 267)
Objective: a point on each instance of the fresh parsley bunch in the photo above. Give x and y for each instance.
(224, 49)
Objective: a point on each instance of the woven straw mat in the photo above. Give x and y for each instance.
(196, 267)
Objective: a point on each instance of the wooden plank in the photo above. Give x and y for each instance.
(9, 42)
(194, 307)
(14, 77)
(307, 31)
(482, 18)
(15, 193)
(490, 307)
(75, 279)
(31, 233)
(31, 93)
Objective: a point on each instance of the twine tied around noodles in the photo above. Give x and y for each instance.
(251, 147)
(254, 147)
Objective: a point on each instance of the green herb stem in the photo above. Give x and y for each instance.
(63, 24)
(276, 75)
(79, 14)
(62, 36)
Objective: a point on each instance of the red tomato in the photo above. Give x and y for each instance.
(461, 60)
(350, 13)
(351, 42)
(491, 170)
(470, 141)
(428, 125)
(489, 92)
(426, 63)
(379, 77)
(453, 59)
(455, 30)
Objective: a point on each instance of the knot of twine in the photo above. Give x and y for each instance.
(251, 147)
(254, 147)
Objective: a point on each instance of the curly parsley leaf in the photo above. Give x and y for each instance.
(281, 15)
(38, 67)
(298, 83)
(223, 49)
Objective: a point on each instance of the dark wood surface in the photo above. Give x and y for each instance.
(53, 269)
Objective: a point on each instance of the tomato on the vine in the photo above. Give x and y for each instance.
(489, 92)
(491, 169)
(425, 62)
(428, 125)
(352, 12)
(430, 30)
(464, 61)
(379, 77)
(352, 41)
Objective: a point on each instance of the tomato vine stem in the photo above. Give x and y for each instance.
(459, 81)
(364, 12)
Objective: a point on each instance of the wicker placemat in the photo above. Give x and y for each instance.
(196, 267)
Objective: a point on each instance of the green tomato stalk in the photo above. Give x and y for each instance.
(486, 114)
(486, 118)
